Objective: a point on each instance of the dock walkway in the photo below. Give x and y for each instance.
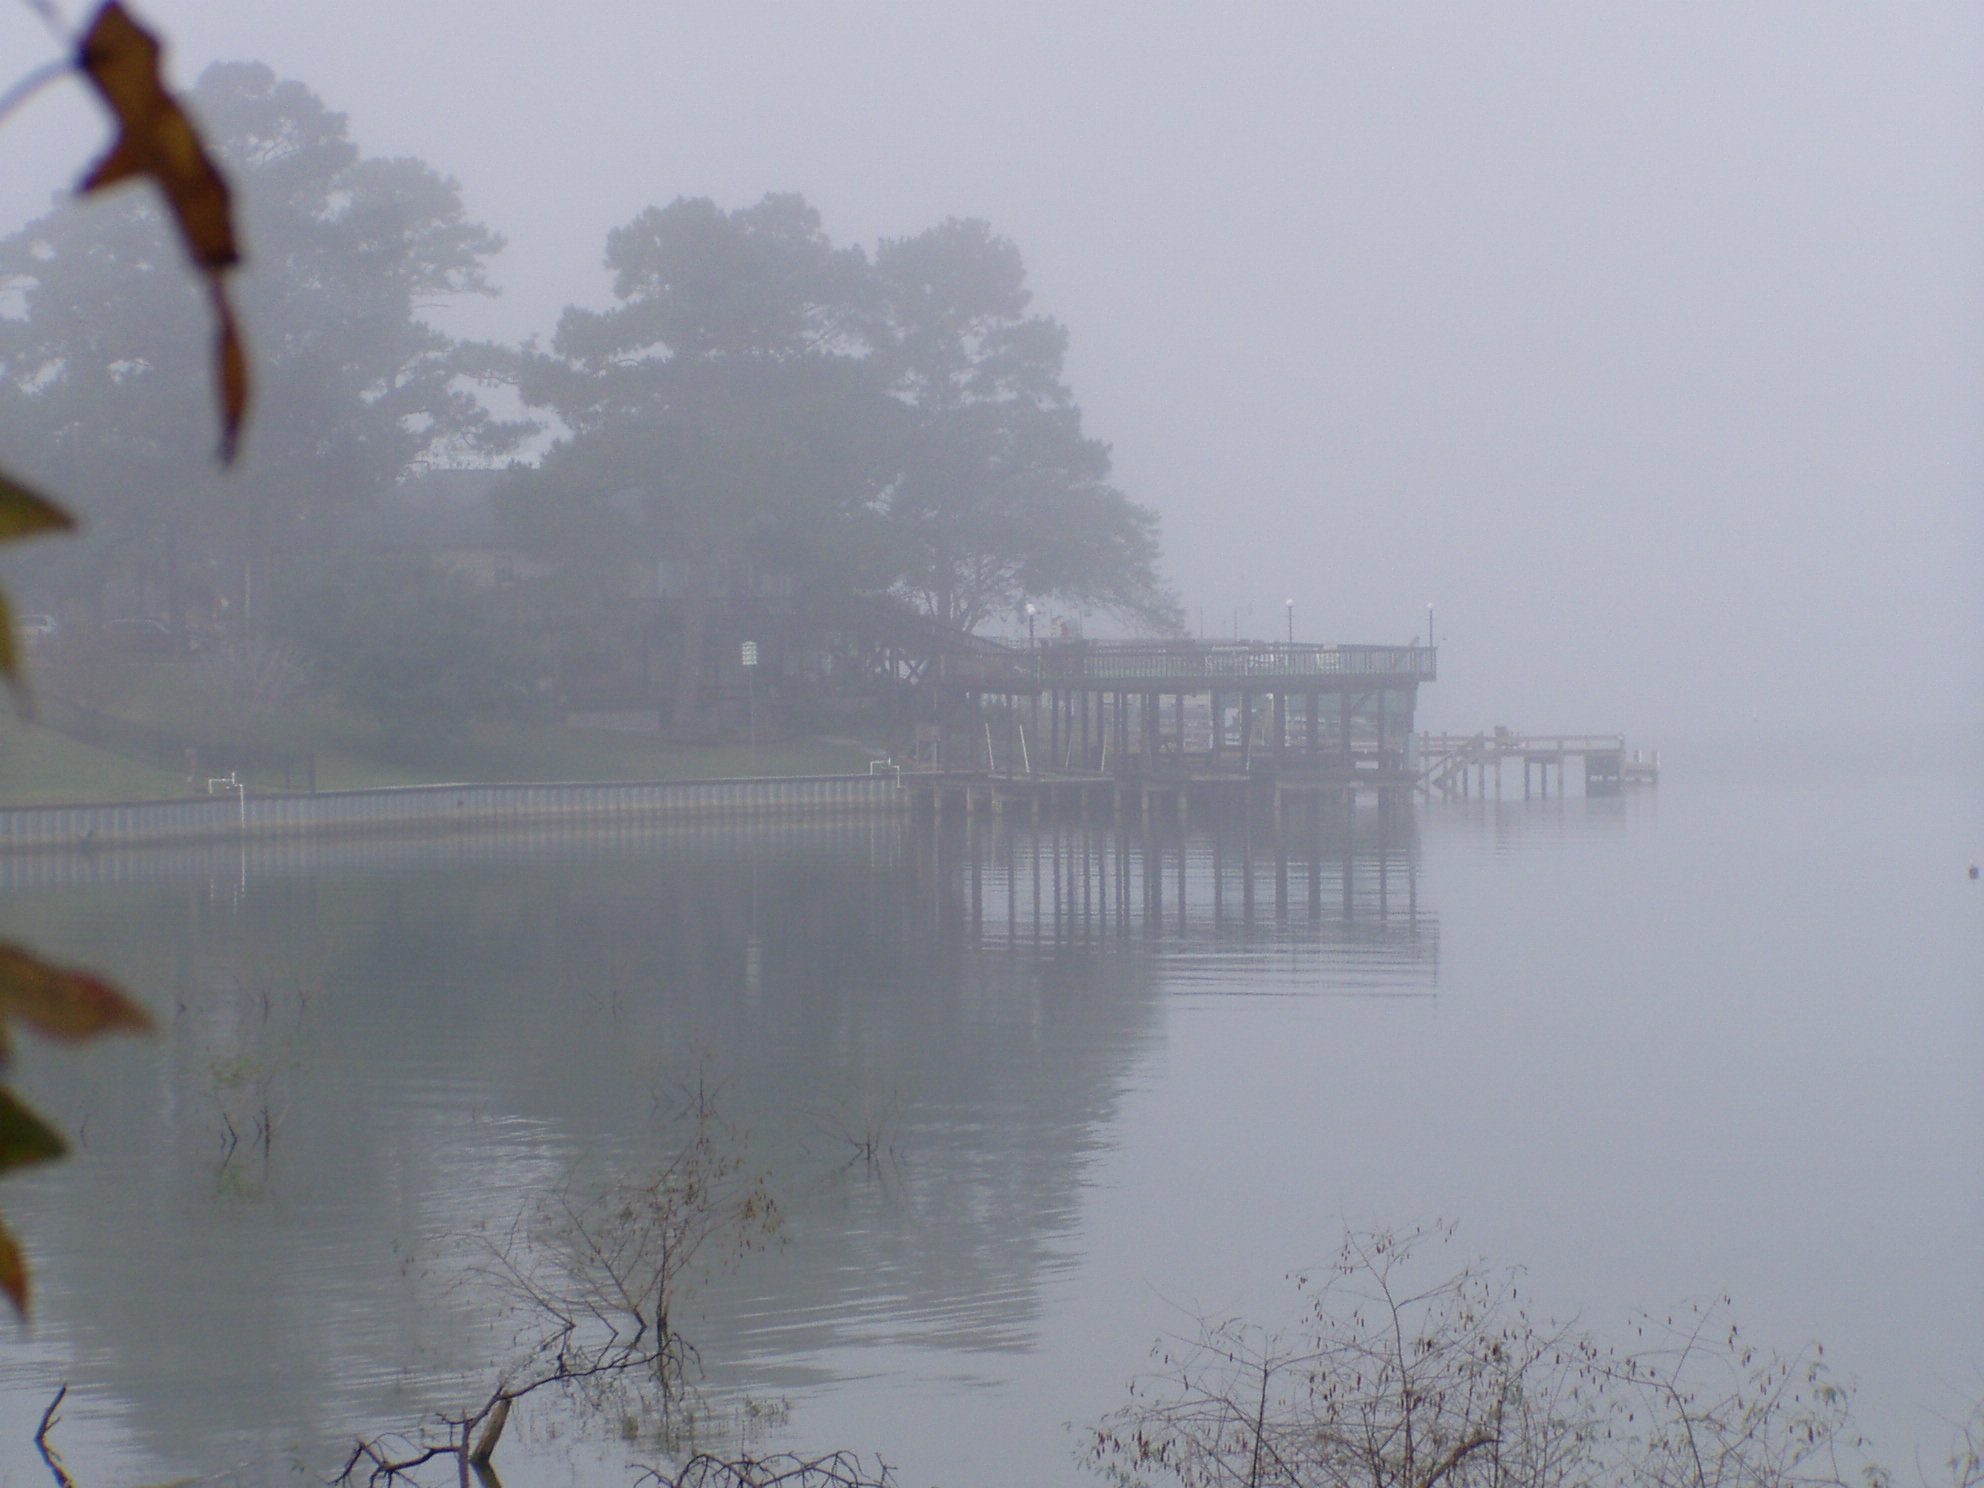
(1464, 764)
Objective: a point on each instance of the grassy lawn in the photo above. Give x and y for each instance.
(553, 751)
(39, 766)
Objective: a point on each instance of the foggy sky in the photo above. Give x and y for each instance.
(1644, 341)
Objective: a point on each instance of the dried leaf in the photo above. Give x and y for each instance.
(13, 1271)
(25, 1138)
(23, 513)
(63, 1004)
(10, 646)
(155, 138)
(231, 364)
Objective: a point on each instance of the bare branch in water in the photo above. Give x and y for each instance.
(784, 1470)
(48, 1453)
(592, 1275)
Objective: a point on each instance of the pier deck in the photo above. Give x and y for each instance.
(1462, 764)
(1180, 713)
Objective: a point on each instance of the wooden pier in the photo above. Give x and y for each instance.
(1156, 728)
(1138, 728)
(1464, 765)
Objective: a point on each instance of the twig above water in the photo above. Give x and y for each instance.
(48, 1453)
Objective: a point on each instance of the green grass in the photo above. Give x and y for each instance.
(541, 752)
(38, 766)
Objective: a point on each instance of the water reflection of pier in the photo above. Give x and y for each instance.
(1344, 884)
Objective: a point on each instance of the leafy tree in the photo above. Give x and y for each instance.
(102, 378)
(998, 493)
(761, 400)
(421, 648)
(723, 414)
(246, 694)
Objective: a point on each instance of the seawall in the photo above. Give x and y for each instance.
(434, 807)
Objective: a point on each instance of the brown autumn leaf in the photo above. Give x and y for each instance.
(63, 1004)
(231, 366)
(13, 1271)
(10, 650)
(23, 513)
(25, 1138)
(156, 139)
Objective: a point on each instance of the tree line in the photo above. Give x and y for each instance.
(756, 401)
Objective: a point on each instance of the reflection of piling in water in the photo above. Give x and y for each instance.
(1343, 874)
(1071, 797)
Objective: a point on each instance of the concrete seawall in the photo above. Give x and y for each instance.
(432, 807)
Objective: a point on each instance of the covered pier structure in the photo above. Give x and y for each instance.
(1178, 717)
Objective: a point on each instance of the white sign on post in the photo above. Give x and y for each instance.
(750, 653)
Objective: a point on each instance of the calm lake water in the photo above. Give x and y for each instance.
(1723, 1038)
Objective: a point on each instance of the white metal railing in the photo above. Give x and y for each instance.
(427, 807)
(1162, 663)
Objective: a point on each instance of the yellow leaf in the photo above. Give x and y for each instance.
(25, 514)
(64, 1004)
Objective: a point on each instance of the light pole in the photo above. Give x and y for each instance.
(749, 657)
(1029, 624)
(1289, 605)
(1429, 625)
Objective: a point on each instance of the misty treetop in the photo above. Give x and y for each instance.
(722, 413)
(104, 383)
(900, 424)
(758, 408)
(760, 400)
(995, 492)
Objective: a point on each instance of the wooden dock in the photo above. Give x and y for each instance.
(1464, 765)
(1177, 714)
(1140, 728)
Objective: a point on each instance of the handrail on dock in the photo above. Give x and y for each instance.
(1445, 760)
(1506, 742)
(1164, 664)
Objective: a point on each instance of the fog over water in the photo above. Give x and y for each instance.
(1641, 340)
(1722, 1039)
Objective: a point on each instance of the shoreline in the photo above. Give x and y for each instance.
(427, 807)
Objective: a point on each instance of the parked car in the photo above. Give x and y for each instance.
(139, 637)
(38, 630)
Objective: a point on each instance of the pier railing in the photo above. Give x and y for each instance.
(1191, 665)
(1449, 763)
(1511, 745)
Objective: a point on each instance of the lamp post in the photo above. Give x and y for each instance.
(1429, 625)
(749, 657)
(1029, 624)
(1289, 605)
